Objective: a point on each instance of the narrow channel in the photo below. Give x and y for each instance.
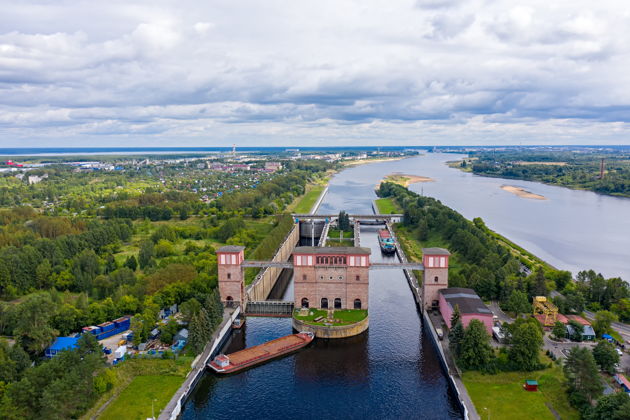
(389, 372)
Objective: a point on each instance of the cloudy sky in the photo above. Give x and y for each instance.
(213, 73)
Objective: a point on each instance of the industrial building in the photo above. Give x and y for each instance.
(470, 307)
(61, 344)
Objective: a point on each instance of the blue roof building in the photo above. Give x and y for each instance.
(61, 344)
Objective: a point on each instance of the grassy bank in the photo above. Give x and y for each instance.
(502, 395)
(387, 206)
(135, 401)
(130, 395)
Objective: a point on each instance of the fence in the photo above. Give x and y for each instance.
(269, 308)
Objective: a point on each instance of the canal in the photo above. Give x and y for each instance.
(389, 372)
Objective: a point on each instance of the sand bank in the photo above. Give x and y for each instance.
(522, 192)
(404, 179)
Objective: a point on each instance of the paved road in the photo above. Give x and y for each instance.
(496, 310)
(621, 328)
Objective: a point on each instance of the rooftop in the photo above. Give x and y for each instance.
(435, 251)
(466, 299)
(231, 248)
(63, 343)
(339, 250)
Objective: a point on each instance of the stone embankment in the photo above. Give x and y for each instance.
(174, 406)
(342, 331)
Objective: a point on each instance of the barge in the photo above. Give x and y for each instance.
(256, 355)
(386, 242)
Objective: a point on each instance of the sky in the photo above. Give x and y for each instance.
(313, 73)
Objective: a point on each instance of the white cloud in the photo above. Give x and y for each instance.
(282, 72)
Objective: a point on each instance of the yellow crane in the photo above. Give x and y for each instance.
(544, 307)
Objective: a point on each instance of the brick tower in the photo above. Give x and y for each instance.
(231, 278)
(435, 262)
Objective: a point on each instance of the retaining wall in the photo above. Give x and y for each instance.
(344, 331)
(319, 201)
(261, 287)
(174, 406)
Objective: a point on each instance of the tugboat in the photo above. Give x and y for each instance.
(387, 243)
(256, 355)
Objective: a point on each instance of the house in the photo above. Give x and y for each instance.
(61, 344)
(182, 335)
(531, 385)
(587, 335)
(623, 382)
(470, 307)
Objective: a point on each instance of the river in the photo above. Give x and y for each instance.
(389, 372)
(572, 230)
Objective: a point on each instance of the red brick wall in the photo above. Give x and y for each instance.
(319, 284)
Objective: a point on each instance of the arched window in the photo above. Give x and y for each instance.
(337, 303)
(357, 304)
(324, 303)
(229, 298)
(304, 303)
(435, 279)
(229, 301)
(229, 276)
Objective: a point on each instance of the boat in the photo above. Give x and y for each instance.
(386, 242)
(238, 323)
(256, 355)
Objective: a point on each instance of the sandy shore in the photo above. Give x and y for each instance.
(523, 193)
(365, 161)
(404, 179)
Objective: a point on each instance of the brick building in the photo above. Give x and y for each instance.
(331, 277)
(231, 285)
(435, 277)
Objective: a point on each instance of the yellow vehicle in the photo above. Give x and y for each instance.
(542, 306)
(122, 342)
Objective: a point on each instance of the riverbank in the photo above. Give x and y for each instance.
(522, 192)
(350, 163)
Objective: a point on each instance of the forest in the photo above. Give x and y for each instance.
(568, 169)
(63, 270)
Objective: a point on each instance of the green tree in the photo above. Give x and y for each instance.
(475, 350)
(606, 356)
(559, 331)
(168, 331)
(526, 342)
(146, 254)
(581, 371)
(33, 329)
(189, 309)
(455, 337)
(539, 283)
(603, 322)
(578, 329)
(615, 406)
(131, 263)
(43, 272)
(164, 248)
(456, 316)
(518, 303)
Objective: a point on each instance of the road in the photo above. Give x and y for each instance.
(496, 310)
(621, 328)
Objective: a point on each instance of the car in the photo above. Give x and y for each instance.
(619, 352)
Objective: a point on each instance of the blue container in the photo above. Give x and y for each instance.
(106, 326)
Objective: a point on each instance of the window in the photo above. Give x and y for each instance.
(358, 278)
(340, 277)
(229, 298)
(304, 303)
(436, 279)
(357, 304)
(229, 276)
(337, 303)
(304, 277)
(331, 277)
(321, 277)
(324, 303)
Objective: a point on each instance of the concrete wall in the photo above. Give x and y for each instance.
(333, 332)
(261, 287)
(319, 201)
(174, 406)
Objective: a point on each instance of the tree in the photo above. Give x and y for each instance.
(214, 307)
(581, 371)
(189, 309)
(539, 284)
(168, 331)
(475, 351)
(343, 221)
(33, 329)
(603, 322)
(131, 263)
(526, 340)
(164, 248)
(606, 356)
(615, 406)
(559, 331)
(456, 316)
(518, 303)
(578, 329)
(146, 253)
(455, 337)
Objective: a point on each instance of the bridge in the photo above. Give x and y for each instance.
(373, 266)
(352, 216)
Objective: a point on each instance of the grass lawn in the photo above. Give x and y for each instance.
(339, 243)
(387, 206)
(309, 199)
(135, 400)
(504, 397)
(344, 316)
(334, 233)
